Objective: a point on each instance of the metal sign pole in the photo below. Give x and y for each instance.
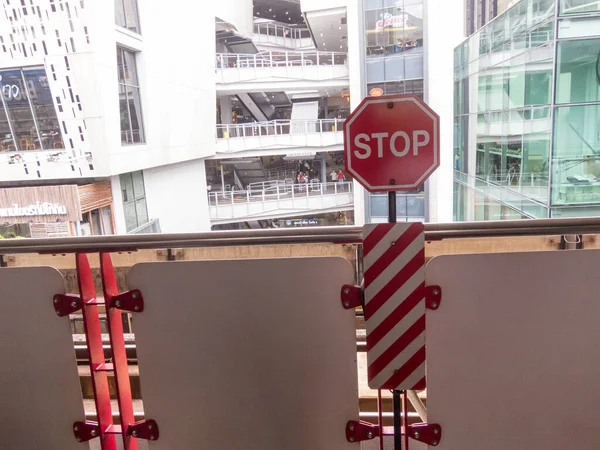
(393, 218)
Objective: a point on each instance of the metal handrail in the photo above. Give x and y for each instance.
(333, 235)
(278, 191)
(278, 127)
(280, 59)
(273, 29)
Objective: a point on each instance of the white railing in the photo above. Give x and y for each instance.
(273, 29)
(280, 59)
(282, 173)
(281, 191)
(279, 127)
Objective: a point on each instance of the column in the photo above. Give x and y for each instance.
(226, 114)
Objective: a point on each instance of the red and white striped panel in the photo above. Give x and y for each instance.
(394, 290)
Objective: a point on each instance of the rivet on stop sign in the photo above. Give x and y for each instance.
(390, 105)
(392, 181)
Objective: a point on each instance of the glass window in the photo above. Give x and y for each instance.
(578, 71)
(19, 110)
(134, 200)
(576, 156)
(132, 130)
(578, 6)
(394, 40)
(537, 86)
(43, 108)
(126, 15)
(28, 118)
(6, 139)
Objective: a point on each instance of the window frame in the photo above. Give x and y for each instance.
(123, 9)
(135, 199)
(15, 138)
(121, 64)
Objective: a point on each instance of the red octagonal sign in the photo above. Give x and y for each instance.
(391, 143)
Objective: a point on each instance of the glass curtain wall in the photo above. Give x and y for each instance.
(502, 115)
(28, 118)
(576, 153)
(394, 65)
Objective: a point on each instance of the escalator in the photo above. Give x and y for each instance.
(264, 107)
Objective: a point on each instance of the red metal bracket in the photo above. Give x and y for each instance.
(351, 296)
(144, 429)
(357, 431)
(131, 301)
(433, 297)
(65, 304)
(428, 433)
(86, 431)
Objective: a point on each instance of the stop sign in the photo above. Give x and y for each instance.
(391, 143)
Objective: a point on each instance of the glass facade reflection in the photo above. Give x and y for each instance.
(28, 119)
(527, 114)
(394, 65)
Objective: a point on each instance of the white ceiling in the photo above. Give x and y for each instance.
(328, 31)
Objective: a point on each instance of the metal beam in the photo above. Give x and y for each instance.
(335, 235)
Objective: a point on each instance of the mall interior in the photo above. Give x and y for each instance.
(515, 83)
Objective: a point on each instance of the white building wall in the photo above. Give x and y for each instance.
(177, 86)
(177, 196)
(53, 35)
(444, 30)
(357, 82)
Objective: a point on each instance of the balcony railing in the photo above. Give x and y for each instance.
(279, 191)
(279, 127)
(280, 59)
(151, 227)
(273, 29)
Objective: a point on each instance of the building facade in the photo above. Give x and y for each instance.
(527, 104)
(226, 117)
(404, 52)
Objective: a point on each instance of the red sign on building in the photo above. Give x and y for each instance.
(391, 143)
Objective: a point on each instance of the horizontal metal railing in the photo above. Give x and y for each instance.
(273, 29)
(278, 191)
(279, 127)
(334, 235)
(280, 59)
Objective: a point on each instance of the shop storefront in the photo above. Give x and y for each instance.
(56, 211)
(96, 209)
(39, 212)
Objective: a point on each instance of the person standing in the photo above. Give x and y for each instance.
(333, 175)
(341, 178)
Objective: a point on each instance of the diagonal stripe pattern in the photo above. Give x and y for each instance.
(394, 289)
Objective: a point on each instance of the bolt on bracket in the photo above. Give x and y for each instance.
(428, 433)
(86, 431)
(131, 301)
(433, 297)
(65, 304)
(352, 296)
(144, 429)
(357, 431)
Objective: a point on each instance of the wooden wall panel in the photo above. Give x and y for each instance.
(94, 196)
(33, 204)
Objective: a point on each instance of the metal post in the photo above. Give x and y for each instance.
(392, 218)
(397, 425)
